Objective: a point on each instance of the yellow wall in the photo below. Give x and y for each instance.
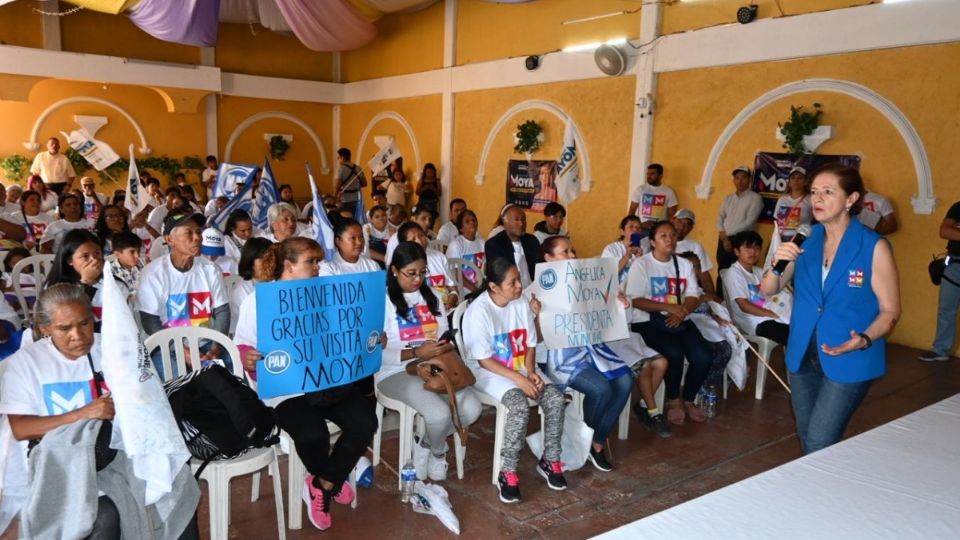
(695, 106)
(685, 15)
(423, 115)
(174, 134)
(20, 26)
(251, 146)
(269, 54)
(603, 112)
(489, 31)
(406, 43)
(98, 33)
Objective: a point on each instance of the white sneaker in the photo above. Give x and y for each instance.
(437, 468)
(421, 456)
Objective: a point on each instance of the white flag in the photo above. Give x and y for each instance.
(97, 153)
(148, 431)
(387, 155)
(137, 197)
(568, 166)
(322, 229)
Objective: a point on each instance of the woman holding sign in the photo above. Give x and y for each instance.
(596, 371)
(304, 417)
(500, 336)
(416, 323)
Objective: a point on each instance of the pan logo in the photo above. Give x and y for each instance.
(277, 362)
(548, 279)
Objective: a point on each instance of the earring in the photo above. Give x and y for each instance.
(847, 209)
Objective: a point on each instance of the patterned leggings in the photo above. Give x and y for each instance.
(515, 426)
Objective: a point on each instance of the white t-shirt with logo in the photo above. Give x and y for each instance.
(653, 201)
(93, 204)
(409, 330)
(654, 280)
(339, 267)
(739, 283)
(448, 231)
(503, 334)
(874, 208)
(438, 276)
(616, 250)
(181, 298)
(687, 244)
(41, 381)
(373, 235)
(790, 213)
(55, 230)
(38, 223)
(471, 251)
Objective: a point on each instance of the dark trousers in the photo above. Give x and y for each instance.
(306, 422)
(57, 187)
(775, 330)
(687, 344)
(107, 524)
(724, 260)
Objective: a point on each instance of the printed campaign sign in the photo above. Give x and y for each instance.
(579, 303)
(318, 333)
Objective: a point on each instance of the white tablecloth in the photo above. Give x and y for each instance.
(899, 481)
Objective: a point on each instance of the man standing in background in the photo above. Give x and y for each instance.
(55, 169)
(349, 181)
(654, 201)
(949, 290)
(739, 212)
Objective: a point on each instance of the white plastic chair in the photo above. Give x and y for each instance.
(42, 264)
(455, 267)
(218, 473)
(408, 419)
(764, 346)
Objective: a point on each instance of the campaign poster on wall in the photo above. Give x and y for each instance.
(772, 169)
(318, 333)
(578, 302)
(531, 184)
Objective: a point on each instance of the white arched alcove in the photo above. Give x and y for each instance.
(250, 120)
(923, 202)
(537, 104)
(34, 145)
(398, 118)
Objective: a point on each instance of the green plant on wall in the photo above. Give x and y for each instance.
(14, 167)
(278, 147)
(800, 125)
(165, 165)
(528, 137)
(80, 165)
(193, 163)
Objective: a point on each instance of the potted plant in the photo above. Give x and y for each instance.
(14, 166)
(802, 133)
(278, 147)
(528, 137)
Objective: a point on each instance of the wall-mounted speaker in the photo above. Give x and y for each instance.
(747, 14)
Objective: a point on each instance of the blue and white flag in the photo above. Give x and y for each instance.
(229, 175)
(360, 211)
(568, 177)
(136, 198)
(267, 195)
(242, 201)
(322, 229)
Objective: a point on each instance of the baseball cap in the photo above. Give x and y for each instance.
(686, 213)
(87, 181)
(797, 169)
(742, 168)
(212, 243)
(181, 216)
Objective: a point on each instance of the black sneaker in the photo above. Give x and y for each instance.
(933, 356)
(599, 460)
(509, 485)
(657, 423)
(552, 471)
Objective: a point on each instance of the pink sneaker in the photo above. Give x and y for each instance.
(318, 504)
(345, 495)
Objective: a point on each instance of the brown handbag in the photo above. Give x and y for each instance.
(445, 374)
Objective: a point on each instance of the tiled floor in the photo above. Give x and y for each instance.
(652, 474)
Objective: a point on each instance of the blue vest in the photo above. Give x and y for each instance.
(844, 302)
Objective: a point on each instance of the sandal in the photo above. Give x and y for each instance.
(675, 412)
(694, 412)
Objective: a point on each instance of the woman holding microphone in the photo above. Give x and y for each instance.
(847, 298)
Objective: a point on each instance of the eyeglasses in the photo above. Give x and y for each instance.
(413, 274)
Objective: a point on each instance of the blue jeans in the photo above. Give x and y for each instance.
(822, 407)
(603, 399)
(947, 311)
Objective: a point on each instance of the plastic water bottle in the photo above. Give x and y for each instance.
(408, 477)
(700, 401)
(711, 403)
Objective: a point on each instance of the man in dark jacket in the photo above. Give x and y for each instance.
(514, 243)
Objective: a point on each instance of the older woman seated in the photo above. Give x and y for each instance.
(56, 382)
(282, 222)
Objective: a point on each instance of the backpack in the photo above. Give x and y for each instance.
(219, 416)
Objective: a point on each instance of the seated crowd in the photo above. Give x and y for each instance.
(175, 272)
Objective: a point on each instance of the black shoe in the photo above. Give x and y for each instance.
(509, 485)
(552, 471)
(599, 460)
(657, 424)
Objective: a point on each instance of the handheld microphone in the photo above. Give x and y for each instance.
(803, 231)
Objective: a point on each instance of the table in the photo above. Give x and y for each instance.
(900, 481)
